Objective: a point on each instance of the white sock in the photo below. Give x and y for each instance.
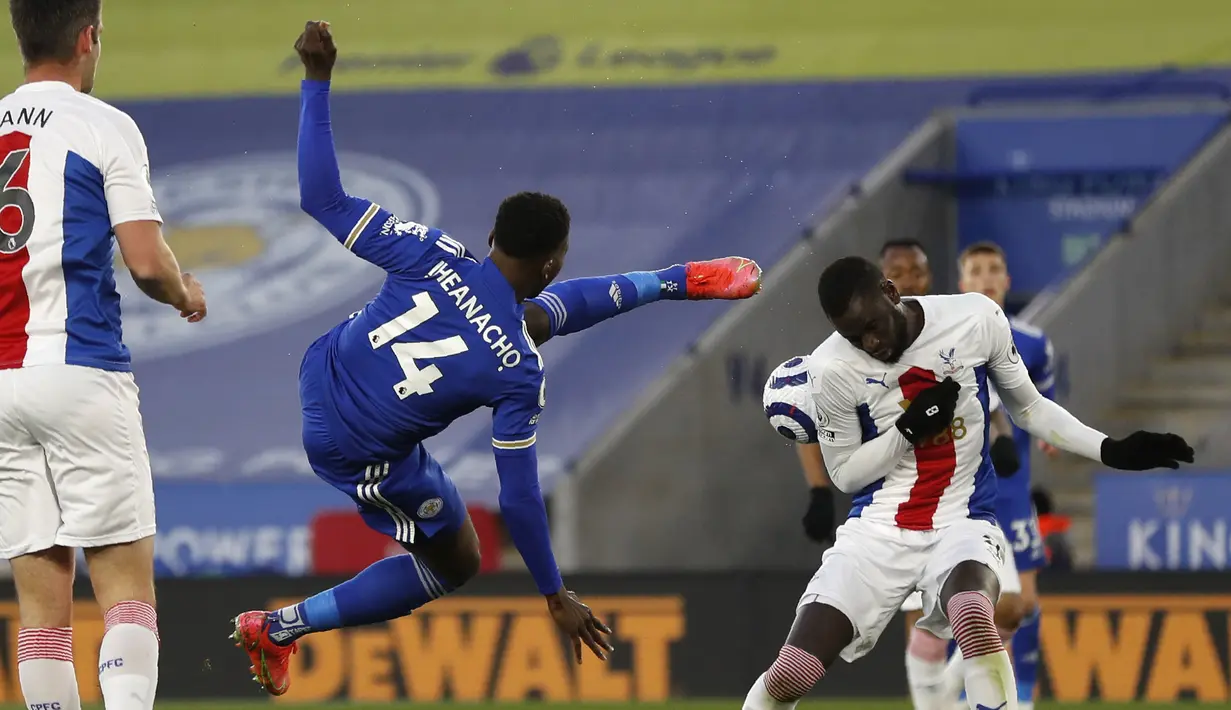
(760, 699)
(990, 683)
(128, 658)
(954, 678)
(925, 668)
(45, 669)
(989, 672)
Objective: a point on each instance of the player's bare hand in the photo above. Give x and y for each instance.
(193, 308)
(1048, 450)
(317, 51)
(577, 621)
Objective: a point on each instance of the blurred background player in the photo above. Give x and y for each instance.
(378, 384)
(1054, 529)
(914, 451)
(74, 472)
(984, 269)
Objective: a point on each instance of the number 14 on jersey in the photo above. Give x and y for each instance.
(418, 380)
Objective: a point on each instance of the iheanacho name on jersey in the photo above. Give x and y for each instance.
(493, 335)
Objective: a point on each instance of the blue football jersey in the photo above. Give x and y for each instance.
(1038, 356)
(444, 336)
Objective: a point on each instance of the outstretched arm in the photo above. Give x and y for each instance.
(514, 424)
(362, 226)
(1032, 411)
(574, 305)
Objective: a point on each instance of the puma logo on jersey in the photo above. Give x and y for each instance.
(874, 381)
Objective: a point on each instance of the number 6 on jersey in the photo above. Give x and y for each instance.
(418, 381)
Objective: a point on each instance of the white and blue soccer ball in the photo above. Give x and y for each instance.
(788, 402)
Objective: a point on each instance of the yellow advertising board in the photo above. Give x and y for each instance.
(218, 47)
(490, 648)
(1154, 647)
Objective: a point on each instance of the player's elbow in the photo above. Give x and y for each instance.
(840, 480)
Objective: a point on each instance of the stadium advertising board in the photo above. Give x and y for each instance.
(1162, 521)
(158, 48)
(693, 635)
(1121, 647)
(492, 648)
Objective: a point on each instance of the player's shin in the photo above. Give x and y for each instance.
(388, 589)
(577, 304)
(128, 657)
(1026, 659)
(45, 668)
(989, 674)
(925, 671)
(790, 678)
(758, 698)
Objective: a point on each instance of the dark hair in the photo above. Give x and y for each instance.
(47, 30)
(844, 279)
(530, 225)
(981, 248)
(1042, 500)
(902, 244)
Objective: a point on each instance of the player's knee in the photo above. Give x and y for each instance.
(460, 566)
(793, 674)
(927, 646)
(1010, 611)
(971, 576)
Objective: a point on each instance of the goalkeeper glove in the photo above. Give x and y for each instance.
(1004, 456)
(930, 413)
(1143, 450)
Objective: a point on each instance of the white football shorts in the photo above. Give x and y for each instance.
(1010, 583)
(74, 469)
(873, 567)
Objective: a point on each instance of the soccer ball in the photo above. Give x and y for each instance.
(788, 402)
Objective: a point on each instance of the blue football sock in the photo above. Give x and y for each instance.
(1026, 656)
(388, 589)
(577, 304)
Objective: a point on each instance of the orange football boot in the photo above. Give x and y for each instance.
(730, 278)
(270, 662)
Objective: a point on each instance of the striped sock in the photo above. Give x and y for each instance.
(45, 668)
(793, 674)
(989, 674)
(128, 657)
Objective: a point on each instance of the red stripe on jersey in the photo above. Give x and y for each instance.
(14, 300)
(936, 460)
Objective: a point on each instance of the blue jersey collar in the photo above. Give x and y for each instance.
(499, 286)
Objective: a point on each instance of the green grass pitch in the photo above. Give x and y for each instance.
(901, 704)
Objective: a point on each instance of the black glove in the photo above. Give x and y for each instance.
(930, 413)
(819, 520)
(1004, 456)
(1143, 450)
